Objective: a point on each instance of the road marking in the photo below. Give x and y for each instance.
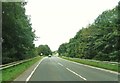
(60, 64)
(34, 70)
(97, 68)
(93, 67)
(76, 74)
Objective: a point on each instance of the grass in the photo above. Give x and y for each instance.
(9, 74)
(100, 64)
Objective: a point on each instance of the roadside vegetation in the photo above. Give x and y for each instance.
(17, 40)
(99, 64)
(98, 41)
(17, 33)
(10, 73)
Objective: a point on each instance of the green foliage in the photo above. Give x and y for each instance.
(62, 49)
(44, 50)
(17, 33)
(98, 40)
(10, 73)
(100, 64)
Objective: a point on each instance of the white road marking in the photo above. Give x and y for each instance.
(34, 70)
(60, 64)
(76, 74)
(97, 68)
(92, 67)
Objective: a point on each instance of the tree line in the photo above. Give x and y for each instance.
(17, 33)
(44, 50)
(99, 40)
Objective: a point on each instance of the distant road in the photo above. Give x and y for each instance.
(57, 69)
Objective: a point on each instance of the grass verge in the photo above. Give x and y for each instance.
(11, 73)
(100, 64)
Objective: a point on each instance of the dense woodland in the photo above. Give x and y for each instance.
(99, 40)
(17, 33)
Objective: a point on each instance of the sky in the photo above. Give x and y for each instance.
(56, 21)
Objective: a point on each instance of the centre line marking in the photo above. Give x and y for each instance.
(76, 74)
(60, 64)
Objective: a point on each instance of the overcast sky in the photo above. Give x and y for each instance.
(56, 21)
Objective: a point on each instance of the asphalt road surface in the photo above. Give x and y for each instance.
(57, 69)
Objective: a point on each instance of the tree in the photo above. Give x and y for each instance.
(44, 50)
(62, 49)
(17, 33)
(98, 40)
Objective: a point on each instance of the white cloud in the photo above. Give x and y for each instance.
(56, 21)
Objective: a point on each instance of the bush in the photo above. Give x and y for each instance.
(103, 57)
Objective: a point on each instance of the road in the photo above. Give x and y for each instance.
(57, 69)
